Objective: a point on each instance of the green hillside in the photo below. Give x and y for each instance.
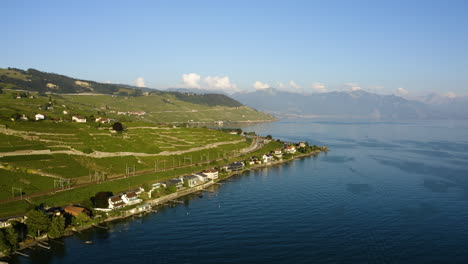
(30, 92)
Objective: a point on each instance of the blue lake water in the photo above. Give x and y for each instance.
(385, 193)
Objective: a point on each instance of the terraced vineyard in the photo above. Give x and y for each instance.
(34, 155)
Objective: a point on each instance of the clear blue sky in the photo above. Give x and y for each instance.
(415, 45)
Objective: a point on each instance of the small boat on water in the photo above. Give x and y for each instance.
(89, 242)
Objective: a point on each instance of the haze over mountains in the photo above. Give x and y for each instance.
(336, 104)
(350, 104)
(356, 104)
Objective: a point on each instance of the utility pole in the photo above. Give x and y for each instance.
(19, 189)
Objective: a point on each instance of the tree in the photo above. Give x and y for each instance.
(4, 246)
(186, 183)
(101, 199)
(37, 222)
(117, 126)
(269, 137)
(147, 186)
(57, 227)
(172, 189)
(80, 219)
(8, 240)
(15, 116)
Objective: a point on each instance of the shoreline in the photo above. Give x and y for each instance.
(161, 200)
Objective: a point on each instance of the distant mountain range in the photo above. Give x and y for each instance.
(338, 104)
(355, 104)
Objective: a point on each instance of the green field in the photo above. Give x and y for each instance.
(159, 108)
(28, 182)
(162, 145)
(35, 154)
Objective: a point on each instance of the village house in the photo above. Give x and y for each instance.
(202, 176)
(131, 198)
(76, 210)
(7, 222)
(144, 208)
(301, 145)
(39, 117)
(266, 158)
(103, 120)
(138, 113)
(278, 153)
(54, 211)
(116, 202)
(177, 182)
(194, 180)
(79, 119)
(212, 174)
(24, 117)
(290, 149)
(65, 112)
(236, 166)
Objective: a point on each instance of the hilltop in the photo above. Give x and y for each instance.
(30, 92)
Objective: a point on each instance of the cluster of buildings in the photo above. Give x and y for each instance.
(137, 113)
(73, 210)
(276, 154)
(125, 199)
(75, 118)
(192, 180)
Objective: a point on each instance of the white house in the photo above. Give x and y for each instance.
(193, 180)
(131, 198)
(24, 118)
(7, 222)
(278, 153)
(301, 144)
(211, 174)
(103, 120)
(79, 119)
(65, 112)
(267, 158)
(39, 117)
(290, 149)
(116, 202)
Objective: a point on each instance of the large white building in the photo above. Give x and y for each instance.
(39, 117)
(79, 119)
(211, 174)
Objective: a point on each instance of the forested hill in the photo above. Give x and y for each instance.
(44, 82)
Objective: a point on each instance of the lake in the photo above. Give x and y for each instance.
(386, 192)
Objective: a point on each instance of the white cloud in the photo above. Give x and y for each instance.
(220, 83)
(319, 87)
(294, 85)
(402, 91)
(140, 82)
(280, 85)
(451, 95)
(191, 80)
(353, 86)
(258, 85)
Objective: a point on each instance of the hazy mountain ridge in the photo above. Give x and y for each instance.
(350, 104)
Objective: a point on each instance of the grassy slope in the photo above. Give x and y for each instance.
(160, 108)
